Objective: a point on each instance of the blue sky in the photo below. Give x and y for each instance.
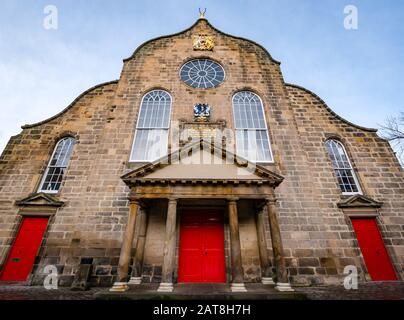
(359, 73)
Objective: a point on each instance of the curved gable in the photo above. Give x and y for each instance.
(326, 107)
(75, 101)
(200, 20)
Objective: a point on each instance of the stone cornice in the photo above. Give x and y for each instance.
(359, 201)
(39, 200)
(139, 175)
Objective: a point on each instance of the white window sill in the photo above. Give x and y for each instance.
(351, 193)
(48, 191)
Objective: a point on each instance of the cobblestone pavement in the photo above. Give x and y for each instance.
(371, 290)
(20, 292)
(393, 290)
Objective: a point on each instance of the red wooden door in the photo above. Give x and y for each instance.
(373, 250)
(24, 250)
(201, 257)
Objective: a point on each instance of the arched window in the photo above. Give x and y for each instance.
(342, 166)
(252, 140)
(52, 179)
(151, 137)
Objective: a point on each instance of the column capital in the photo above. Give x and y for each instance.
(259, 210)
(232, 199)
(271, 200)
(172, 199)
(134, 200)
(133, 197)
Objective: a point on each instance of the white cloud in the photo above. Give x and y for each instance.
(35, 88)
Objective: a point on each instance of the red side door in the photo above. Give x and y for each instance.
(24, 250)
(373, 250)
(201, 254)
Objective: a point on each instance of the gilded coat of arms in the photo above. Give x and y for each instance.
(203, 42)
(201, 111)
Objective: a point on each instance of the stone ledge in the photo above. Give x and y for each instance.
(200, 292)
(220, 296)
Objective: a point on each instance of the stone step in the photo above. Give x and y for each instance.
(200, 292)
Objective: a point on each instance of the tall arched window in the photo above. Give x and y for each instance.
(342, 166)
(252, 140)
(52, 179)
(151, 137)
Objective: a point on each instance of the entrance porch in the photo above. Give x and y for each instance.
(191, 247)
(221, 262)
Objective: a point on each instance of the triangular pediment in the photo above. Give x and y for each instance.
(202, 161)
(40, 199)
(359, 201)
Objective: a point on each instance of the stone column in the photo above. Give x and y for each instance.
(137, 267)
(237, 284)
(166, 284)
(124, 258)
(266, 272)
(282, 281)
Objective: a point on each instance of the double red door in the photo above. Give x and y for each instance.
(24, 250)
(373, 250)
(201, 254)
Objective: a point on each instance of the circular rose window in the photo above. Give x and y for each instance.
(202, 73)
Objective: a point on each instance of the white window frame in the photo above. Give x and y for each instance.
(251, 129)
(351, 168)
(48, 166)
(151, 128)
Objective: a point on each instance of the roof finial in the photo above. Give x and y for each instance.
(202, 13)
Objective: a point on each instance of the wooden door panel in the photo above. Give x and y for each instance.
(373, 250)
(24, 250)
(201, 247)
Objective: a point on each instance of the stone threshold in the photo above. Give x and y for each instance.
(200, 292)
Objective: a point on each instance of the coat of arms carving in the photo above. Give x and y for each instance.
(201, 111)
(203, 42)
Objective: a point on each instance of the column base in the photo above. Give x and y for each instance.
(283, 286)
(165, 287)
(119, 287)
(135, 280)
(238, 287)
(267, 280)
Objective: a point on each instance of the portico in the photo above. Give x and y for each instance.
(183, 188)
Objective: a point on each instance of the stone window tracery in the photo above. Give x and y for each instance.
(202, 73)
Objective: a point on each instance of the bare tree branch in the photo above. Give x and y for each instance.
(393, 131)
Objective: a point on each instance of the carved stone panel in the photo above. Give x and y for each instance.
(194, 130)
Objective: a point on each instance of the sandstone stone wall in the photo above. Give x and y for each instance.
(318, 238)
(84, 225)
(328, 239)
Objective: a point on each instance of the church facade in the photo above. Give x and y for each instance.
(200, 164)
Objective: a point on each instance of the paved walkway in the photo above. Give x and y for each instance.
(371, 290)
(393, 290)
(19, 292)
